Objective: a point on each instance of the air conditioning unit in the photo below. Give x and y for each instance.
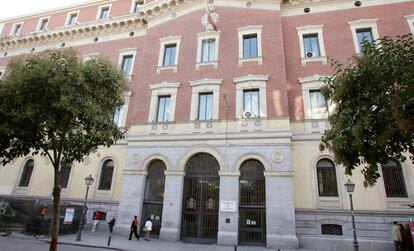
(310, 54)
(247, 114)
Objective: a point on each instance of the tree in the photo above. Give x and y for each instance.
(373, 120)
(60, 107)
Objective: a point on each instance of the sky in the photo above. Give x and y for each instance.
(12, 8)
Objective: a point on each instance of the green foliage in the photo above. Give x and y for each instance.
(373, 121)
(54, 104)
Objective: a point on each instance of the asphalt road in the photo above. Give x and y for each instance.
(17, 244)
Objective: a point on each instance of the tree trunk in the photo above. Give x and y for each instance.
(56, 210)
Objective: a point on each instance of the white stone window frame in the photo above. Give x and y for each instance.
(39, 23)
(127, 52)
(64, 191)
(162, 89)
(250, 82)
(166, 41)
(203, 36)
(313, 83)
(12, 33)
(25, 190)
(204, 86)
(133, 2)
(89, 56)
(69, 15)
(410, 21)
(124, 109)
(250, 30)
(106, 194)
(307, 30)
(100, 8)
(3, 71)
(363, 24)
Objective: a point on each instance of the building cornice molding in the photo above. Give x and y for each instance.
(206, 81)
(164, 85)
(250, 78)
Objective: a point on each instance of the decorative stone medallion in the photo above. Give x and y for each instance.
(136, 158)
(315, 124)
(86, 161)
(278, 157)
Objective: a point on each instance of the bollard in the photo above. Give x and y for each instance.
(109, 240)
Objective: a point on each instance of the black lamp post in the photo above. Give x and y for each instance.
(350, 186)
(88, 181)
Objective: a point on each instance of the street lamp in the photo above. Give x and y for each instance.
(88, 181)
(350, 189)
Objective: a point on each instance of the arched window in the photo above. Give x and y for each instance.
(326, 174)
(394, 180)
(27, 173)
(107, 171)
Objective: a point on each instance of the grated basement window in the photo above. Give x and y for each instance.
(331, 229)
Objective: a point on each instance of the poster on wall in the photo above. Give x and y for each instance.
(70, 212)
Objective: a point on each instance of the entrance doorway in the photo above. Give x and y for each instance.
(200, 199)
(252, 207)
(154, 196)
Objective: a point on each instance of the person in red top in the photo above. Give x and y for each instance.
(134, 228)
(96, 219)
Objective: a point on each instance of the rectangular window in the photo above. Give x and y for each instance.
(169, 54)
(364, 35)
(104, 13)
(208, 47)
(250, 46)
(311, 45)
(205, 106)
(64, 175)
(163, 108)
(394, 183)
(27, 173)
(318, 102)
(17, 29)
(118, 115)
(43, 24)
(127, 64)
(72, 18)
(251, 103)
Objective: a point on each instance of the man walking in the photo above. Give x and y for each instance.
(396, 235)
(134, 228)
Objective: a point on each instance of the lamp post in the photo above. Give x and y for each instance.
(88, 181)
(349, 185)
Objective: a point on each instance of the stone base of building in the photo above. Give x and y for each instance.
(227, 238)
(282, 241)
(169, 234)
(344, 244)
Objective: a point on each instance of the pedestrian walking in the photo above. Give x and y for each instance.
(134, 228)
(111, 224)
(96, 219)
(408, 238)
(147, 229)
(396, 235)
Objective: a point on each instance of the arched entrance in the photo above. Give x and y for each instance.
(252, 206)
(154, 196)
(200, 199)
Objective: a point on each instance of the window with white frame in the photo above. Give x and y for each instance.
(326, 175)
(65, 174)
(394, 182)
(311, 44)
(207, 52)
(162, 104)
(126, 61)
(16, 29)
(410, 21)
(250, 44)
(26, 173)
(90, 56)
(205, 99)
(121, 112)
(106, 175)
(314, 103)
(251, 96)
(72, 18)
(364, 29)
(169, 51)
(43, 22)
(104, 12)
(136, 5)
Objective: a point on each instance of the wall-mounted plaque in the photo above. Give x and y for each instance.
(228, 206)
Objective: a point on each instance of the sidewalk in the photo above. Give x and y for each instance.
(100, 240)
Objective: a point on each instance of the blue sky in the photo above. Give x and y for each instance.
(12, 8)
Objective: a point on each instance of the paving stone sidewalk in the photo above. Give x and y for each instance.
(99, 240)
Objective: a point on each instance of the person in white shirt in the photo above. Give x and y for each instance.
(147, 229)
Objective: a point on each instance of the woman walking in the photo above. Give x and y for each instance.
(147, 229)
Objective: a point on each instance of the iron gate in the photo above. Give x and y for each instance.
(200, 200)
(154, 196)
(252, 207)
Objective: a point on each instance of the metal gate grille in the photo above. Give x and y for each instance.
(252, 207)
(200, 200)
(154, 196)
